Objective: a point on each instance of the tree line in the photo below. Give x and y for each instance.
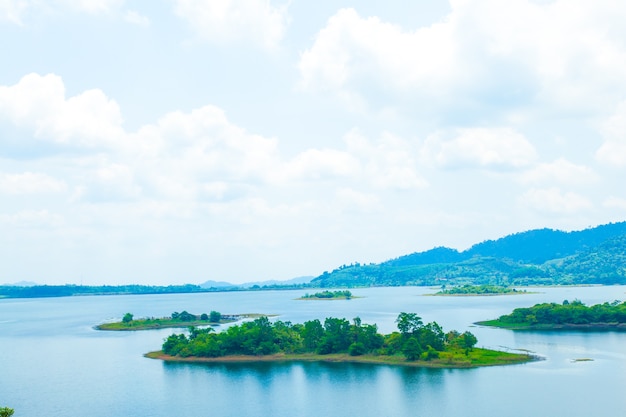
(414, 339)
(574, 312)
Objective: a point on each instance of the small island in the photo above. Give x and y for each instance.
(566, 316)
(183, 319)
(474, 290)
(335, 340)
(328, 295)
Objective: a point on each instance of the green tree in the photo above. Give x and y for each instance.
(215, 316)
(409, 323)
(312, 333)
(412, 349)
(469, 341)
(6, 412)
(127, 318)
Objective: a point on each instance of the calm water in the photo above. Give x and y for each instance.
(52, 362)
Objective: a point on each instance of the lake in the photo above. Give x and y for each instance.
(53, 363)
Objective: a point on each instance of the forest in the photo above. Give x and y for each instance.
(554, 315)
(328, 295)
(414, 340)
(484, 289)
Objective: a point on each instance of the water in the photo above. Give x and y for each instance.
(53, 363)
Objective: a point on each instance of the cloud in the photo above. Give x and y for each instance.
(135, 18)
(560, 171)
(389, 163)
(613, 150)
(12, 10)
(502, 56)
(30, 183)
(615, 203)
(555, 201)
(488, 148)
(227, 21)
(89, 119)
(316, 164)
(91, 6)
(35, 219)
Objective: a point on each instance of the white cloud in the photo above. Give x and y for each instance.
(89, 119)
(519, 53)
(17, 11)
(490, 148)
(388, 163)
(135, 18)
(352, 48)
(91, 6)
(613, 150)
(615, 203)
(30, 183)
(35, 219)
(353, 200)
(560, 171)
(553, 200)
(12, 10)
(226, 21)
(316, 164)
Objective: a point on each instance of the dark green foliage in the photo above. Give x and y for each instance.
(215, 317)
(330, 294)
(184, 316)
(6, 412)
(204, 317)
(477, 289)
(127, 318)
(412, 349)
(262, 337)
(568, 313)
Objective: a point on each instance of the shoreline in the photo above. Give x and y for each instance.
(498, 358)
(480, 295)
(548, 327)
(167, 323)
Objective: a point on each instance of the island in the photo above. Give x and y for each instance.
(182, 319)
(328, 295)
(335, 340)
(566, 316)
(485, 289)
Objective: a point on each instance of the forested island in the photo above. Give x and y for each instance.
(415, 343)
(484, 289)
(182, 319)
(328, 295)
(568, 315)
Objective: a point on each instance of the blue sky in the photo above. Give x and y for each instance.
(179, 141)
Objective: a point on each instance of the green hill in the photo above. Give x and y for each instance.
(591, 256)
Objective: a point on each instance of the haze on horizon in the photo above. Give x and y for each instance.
(182, 141)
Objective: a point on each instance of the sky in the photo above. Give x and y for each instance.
(179, 141)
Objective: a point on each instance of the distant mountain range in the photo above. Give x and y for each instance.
(258, 284)
(543, 256)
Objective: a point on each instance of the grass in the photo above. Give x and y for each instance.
(450, 359)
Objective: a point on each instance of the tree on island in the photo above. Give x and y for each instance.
(127, 318)
(6, 412)
(416, 341)
(215, 317)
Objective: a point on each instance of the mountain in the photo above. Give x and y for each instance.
(273, 282)
(543, 256)
(268, 283)
(217, 284)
